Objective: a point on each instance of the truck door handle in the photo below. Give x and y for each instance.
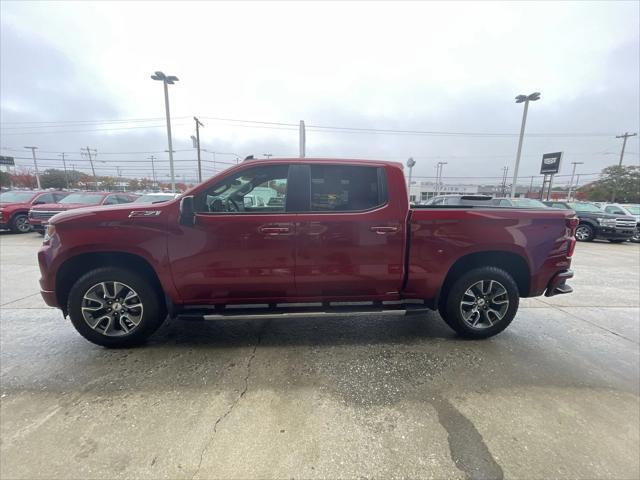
(383, 230)
(274, 230)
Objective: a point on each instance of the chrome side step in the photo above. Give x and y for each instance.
(248, 313)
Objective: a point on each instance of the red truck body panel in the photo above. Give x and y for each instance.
(308, 256)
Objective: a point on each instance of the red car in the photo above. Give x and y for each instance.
(299, 237)
(15, 205)
(39, 216)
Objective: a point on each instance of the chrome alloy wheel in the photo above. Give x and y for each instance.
(22, 224)
(582, 233)
(112, 308)
(484, 304)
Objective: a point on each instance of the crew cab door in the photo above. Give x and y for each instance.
(241, 247)
(350, 240)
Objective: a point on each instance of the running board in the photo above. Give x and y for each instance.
(248, 313)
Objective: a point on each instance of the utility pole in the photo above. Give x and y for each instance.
(64, 164)
(531, 185)
(153, 171)
(505, 172)
(624, 144)
(520, 99)
(198, 125)
(35, 164)
(573, 173)
(303, 140)
(439, 176)
(93, 170)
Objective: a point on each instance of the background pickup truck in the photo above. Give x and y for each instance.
(15, 205)
(595, 223)
(299, 237)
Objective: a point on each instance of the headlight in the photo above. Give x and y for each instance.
(48, 233)
(607, 222)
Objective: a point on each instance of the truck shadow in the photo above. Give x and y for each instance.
(357, 330)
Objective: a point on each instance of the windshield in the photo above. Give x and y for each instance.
(633, 209)
(154, 198)
(528, 202)
(16, 197)
(584, 207)
(84, 198)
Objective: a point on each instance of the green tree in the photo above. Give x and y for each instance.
(617, 183)
(53, 178)
(5, 179)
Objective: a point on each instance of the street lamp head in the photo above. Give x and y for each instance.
(411, 162)
(31, 148)
(532, 98)
(159, 76)
(171, 79)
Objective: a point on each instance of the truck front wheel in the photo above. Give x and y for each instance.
(481, 303)
(20, 223)
(114, 307)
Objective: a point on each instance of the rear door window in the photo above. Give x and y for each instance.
(346, 188)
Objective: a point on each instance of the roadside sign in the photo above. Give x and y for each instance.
(551, 163)
(7, 161)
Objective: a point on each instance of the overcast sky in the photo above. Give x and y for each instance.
(437, 67)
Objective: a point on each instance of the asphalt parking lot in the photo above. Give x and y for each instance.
(555, 395)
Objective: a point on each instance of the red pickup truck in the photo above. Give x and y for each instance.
(39, 215)
(15, 205)
(300, 237)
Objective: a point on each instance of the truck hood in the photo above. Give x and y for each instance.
(602, 215)
(8, 205)
(49, 207)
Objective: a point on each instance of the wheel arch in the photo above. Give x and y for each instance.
(72, 268)
(510, 262)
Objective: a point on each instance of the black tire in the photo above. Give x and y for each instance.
(20, 223)
(451, 308)
(585, 232)
(617, 240)
(153, 310)
(636, 236)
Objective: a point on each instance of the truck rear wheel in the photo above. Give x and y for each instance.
(481, 303)
(114, 307)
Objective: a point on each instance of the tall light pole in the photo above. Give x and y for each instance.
(410, 163)
(166, 81)
(573, 173)
(35, 164)
(520, 99)
(439, 176)
(198, 125)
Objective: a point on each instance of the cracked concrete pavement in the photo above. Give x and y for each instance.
(555, 395)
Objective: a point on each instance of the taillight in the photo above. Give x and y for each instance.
(572, 224)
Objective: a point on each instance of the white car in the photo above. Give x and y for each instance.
(626, 209)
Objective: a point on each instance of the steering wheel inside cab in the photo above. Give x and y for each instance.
(219, 204)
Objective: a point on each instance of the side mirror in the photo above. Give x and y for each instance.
(187, 211)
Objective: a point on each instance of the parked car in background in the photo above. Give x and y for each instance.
(518, 202)
(39, 215)
(626, 209)
(460, 200)
(15, 205)
(595, 223)
(155, 197)
(339, 238)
